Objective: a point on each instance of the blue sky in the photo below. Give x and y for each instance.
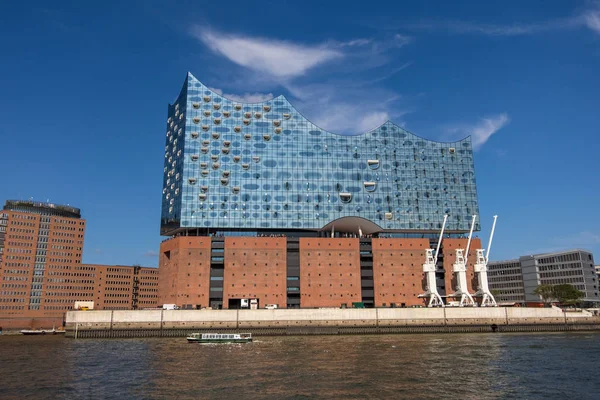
(84, 89)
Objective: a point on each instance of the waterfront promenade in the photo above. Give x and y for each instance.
(169, 323)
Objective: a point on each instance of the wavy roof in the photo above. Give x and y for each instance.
(280, 97)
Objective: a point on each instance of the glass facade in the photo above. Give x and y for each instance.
(230, 165)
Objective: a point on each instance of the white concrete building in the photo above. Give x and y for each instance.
(574, 267)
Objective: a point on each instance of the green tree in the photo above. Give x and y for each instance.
(546, 292)
(567, 294)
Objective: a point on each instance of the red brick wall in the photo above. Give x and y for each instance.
(449, 247)
(63, 257)
(16, 271)
(65, 280)
(329, 272)
(148, 288)
(398, 271)
(114, 290)
(255, 268)
(62, 282)
(184, 271)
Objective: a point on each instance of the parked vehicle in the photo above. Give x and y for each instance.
(271, 306)
(170, 307)
(83, 305)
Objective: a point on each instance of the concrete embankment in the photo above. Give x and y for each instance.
(179, 323)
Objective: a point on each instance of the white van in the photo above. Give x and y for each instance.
(271, 306)
(170, 307)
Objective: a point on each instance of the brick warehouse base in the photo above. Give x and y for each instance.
(291, 272)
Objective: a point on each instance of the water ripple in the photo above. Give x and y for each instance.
(503, 366)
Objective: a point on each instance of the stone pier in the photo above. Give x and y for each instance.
(179, 323)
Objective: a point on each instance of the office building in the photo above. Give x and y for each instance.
(41, 243)
(259, 202)
(41, 274)
(516, 280)
(506, 281)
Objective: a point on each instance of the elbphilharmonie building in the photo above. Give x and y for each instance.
(264, 166)
(262, 172)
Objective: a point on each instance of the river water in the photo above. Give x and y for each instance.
(450, 366)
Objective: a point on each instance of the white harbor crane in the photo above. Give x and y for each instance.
(487, 299)
(460, 270)
(435, 300)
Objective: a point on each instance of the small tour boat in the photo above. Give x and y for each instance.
(219, 338)
(41, 331)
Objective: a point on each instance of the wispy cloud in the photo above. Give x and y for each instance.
(276, 57)
(335, 96)
(389, 74)
(588, 18)
(347, 109)
(580, 239)
(482, 131)
(586, 240)
(479, 131)
(246, 97)
(516, 29)
(349, 118)
(591, 19)
(372, 120)
(151, 253)
(356, 42)
(401, 40)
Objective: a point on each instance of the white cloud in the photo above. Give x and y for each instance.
(483, 130)
(346, 109)
(348, 118)
(390, 74)
(479, 131)
(246, 97)
(372, 120)
(591, 19)
(401, 40)
(343, 101)
(581, 239)
(355, 43)
(500, 30)
(275, 57)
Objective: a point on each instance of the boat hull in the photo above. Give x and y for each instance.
(42, 332)
(197, 340)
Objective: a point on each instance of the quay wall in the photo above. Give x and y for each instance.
(323, 321)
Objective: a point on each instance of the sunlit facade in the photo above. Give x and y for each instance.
(263, 205)
(231, 166)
